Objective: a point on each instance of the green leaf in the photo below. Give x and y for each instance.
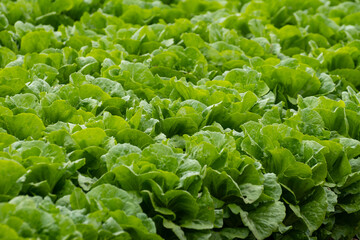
(136, 119)
(6, 140)
(251, 47)
(59, 110)
(350, 75)
(233, 233)
(89, 137)
(109, 191)
(115, 198)
(313, 209)
(62, 138)
(206, 215)
(78, 200)
(193, 40)
(36, 41)
(178, 126)
(36, 218)
(138, 73)
(11, 172)
(25, 149)
(350, 203)
(264, 220)
(117, 151)
(42, 178)
(111, 87)
(134, 137)
(15, 125)
(271, 187)
(127, 179)
(93, 91)
(12, 80)
(296, 82)
(26, 100)
(7, 232)
(176, 203)
(134, 226)
(7, 55)
(162, 156)
(221, 185)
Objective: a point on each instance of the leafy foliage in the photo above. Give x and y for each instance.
(179, 119)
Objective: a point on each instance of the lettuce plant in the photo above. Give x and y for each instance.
(179, 119)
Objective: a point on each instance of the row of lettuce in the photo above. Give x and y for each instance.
(179, 119)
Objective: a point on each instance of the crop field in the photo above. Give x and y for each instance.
(179, 119)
